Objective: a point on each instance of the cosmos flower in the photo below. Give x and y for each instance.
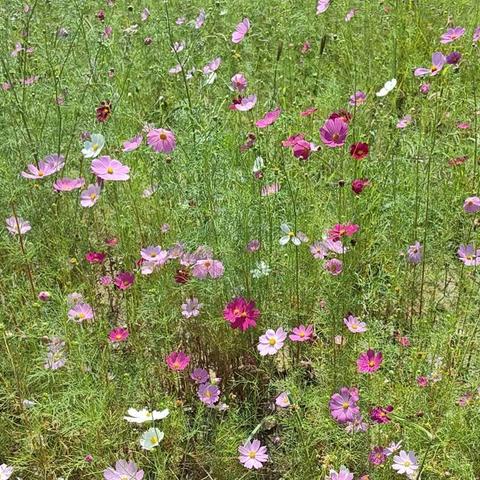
(301, 333)
(377, 456)
(108, 168)
(132, 144)
(322, 6)
(282, 400)
(200, 20)
(309, 111)
(342, 230)
(405, 463)
(453, 58)
(271, 342)
(438, 61)
(46, 167)
(404, 122)
(93, 147)
(415, 253)
(124, 280)
(209, 394)
(476, 35)
(354, 324)
(241, 30)
(154, 254)
(123, 471)
(200, 375)
(469, 255)
(452, 34)
(177, 361)
(161, 140)
(241, 313)
(334, 132)
(471, 205)
(369, 361)
(252, 454)
(103, 111)
(290, 235)
(95, 257)
(244, 104)
(334, 266)
(68, 184)
(90, 196)
(80, 312)
(118, 334)
(191, 307)
(343, 405)
(269, 118)
(387, 87)
(359, 150)
(17, 225)
(239, 82)
(342, 474)
(208, 267)
(380, 414)
(144, 415)
(318, 250)
(358, 98)
(5, 471)
(359, 184)
(151, 438)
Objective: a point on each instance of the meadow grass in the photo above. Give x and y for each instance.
(422, 316)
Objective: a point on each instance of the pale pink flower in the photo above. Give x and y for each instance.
(68, 184)
(17, 225)
(241, 30)
(90, 196)
(161, 140)
(252, 454)
(239, 82)
(271, 342)
(48, 166)
(322, 6)
(269, 118)
(246, 103)
(132, 144)
(282, 400)
(452, 34)
(80, 312)
(108, 168)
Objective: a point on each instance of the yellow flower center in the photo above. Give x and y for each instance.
(252, 454)
(95, 147)
(110, 170)
(41, 173)
(93, 196)
(371, 363)
(154, 440)
(301, 334)
(345, 405)
(81, 315)
(163, 136)
(272, 341)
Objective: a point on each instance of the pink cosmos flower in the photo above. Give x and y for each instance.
(377, 456)
(469, 255)
(161, 140)
(404, 122)
(359, 184)
(301, 333)
(118, 334)
(438, 61)
(476, 35)
(253, 246)
(124, 280)
(309, 111)
(422, 381)
(17, 226)
(415, 253)
(48, 166)
(44, 296)
(452, 34)
(154, 254)
(354, 324)
(191, 308)
(241, 30)
(200, 375)
(241, 313)
(471, 205)
(209, 394)
(269, 118)
(123, 471)
(424, 88)
(245, 104)
(271, 342)
(334, 132)
(252, 454)
(208, 267)
(343, 405)
(108, 168)
(177, 361)
(369, 361)
(302, 149)
(200, 20)
(322, 6)
(342, 230)
(282, 400)
(132, 144)
(95, 257)
(90, 196)
(270, 189)
(333, 266)
(212, 66)
(239, 82)
(342, 474)
(176, 69)
(318, 250)
(380, 414)
(350, 14)
(80, 312)
(358, 98)
(68, 184)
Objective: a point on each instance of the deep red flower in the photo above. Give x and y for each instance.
(359, 184)
(359, 150)
(182, 276)
(342, 114)
(104, 111)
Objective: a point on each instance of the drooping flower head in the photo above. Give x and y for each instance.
(471, 205)
(380, 414)
(17, 225)
(241, 313)
(359, 150)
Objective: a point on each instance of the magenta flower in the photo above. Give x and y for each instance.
(17, 226)
(452, 34)
(241, 313)
(369, 361)
(208, 393)
(239, 82)
(415, 253)
(200, 375)
(44, 296)
(123, 471)
(108, 168)
(208, 267)
(132, 144)
(95, 257)
(124, 280)
(302, 149)
(271, 342)
(301, 333)
(343, 405)
(342, 230)
(90, 196)
(161, 140)
(377, 456)
(269, 118)
(333, 266)
(358, 98)
(241, 30)
(80, 312)
(469, 255)
(118, 334)
(307, 112)
(252, 454)
(438, 61)
(471, 205)
(177, 361)
(68, 184)
(380, 414)
(404, 122)
(48, 166)
(245, 104)
(334, 132)
(191, 308)
(354, 324)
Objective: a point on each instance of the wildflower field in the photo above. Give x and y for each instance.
(240, 239)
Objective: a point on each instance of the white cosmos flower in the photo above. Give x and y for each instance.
(261, 270)
(405, 463)
(142, 416)
(151, 438)
(290, 235)
(258, 165)
(387, 88)
(92, 148)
